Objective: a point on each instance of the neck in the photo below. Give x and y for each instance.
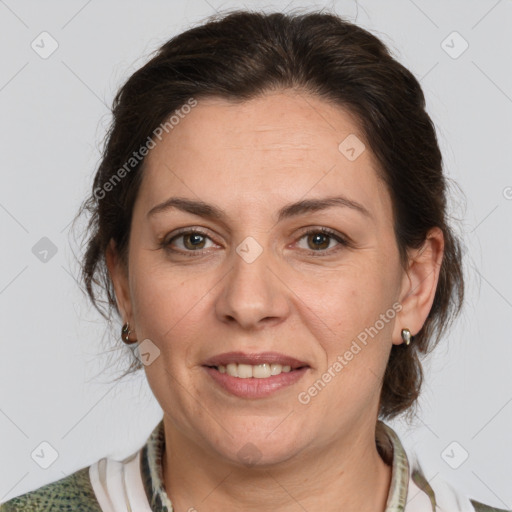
(348, 476)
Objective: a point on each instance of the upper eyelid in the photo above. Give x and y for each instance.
(186, 231)
(342, 240)
(333, 233)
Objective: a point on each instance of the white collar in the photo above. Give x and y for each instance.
(124, 486)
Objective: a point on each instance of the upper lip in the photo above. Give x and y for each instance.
(254, 359)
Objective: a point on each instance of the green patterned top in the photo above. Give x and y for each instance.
(104, 487)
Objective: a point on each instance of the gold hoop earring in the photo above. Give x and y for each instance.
(406, 336)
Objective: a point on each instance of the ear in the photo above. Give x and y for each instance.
(119, 276)
(419, 284)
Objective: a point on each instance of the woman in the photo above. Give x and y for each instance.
(269, 222)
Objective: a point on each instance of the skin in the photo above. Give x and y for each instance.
(251, 159)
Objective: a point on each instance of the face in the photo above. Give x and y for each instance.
(279, 256)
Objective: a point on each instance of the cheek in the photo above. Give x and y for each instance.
(354, 313)
(356, 342)
(353, 297)
(165, 300)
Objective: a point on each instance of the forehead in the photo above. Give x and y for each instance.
(280, 120)
(281, 146)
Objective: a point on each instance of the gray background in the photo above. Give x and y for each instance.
(57, 361)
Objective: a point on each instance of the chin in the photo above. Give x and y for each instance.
(260, 449)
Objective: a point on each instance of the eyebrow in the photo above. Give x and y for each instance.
(203, 209)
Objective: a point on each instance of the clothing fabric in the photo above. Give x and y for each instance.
(135, 484)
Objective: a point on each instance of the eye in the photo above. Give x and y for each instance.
(188, 241)
(322, 240)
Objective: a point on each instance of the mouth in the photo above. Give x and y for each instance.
(258, 366)
(254, 375)
(247, 371)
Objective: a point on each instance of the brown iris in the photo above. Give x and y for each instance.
(317, 237)
(197, 241)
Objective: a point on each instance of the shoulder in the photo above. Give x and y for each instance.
(73, 492)
(446, 497)
(442, 495)
(480, 507)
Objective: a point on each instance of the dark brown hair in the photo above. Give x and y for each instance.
(240, 55)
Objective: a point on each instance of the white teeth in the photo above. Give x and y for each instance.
(244, 371)
(232, 369)
(259, 371)
(276, 369)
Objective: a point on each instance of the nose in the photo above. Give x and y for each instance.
(252, 295)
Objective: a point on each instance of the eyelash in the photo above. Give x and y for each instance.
(343, 242)
(166, 243)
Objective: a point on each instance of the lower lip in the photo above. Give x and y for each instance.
(255, 388)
